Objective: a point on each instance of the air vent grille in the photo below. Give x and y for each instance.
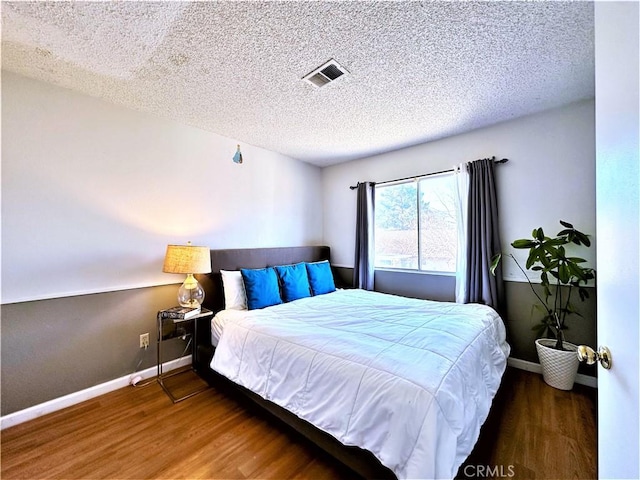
(325, 74)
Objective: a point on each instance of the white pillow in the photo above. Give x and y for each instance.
(235, 296)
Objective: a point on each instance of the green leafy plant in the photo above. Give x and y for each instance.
(548, 256)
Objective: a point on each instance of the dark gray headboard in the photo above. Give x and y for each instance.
(235, 259)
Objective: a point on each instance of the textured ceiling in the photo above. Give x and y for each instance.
(418, 71)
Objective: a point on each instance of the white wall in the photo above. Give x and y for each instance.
(92, 193)
(550, 176)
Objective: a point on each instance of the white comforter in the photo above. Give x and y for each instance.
(410, 380)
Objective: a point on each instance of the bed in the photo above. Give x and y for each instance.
(390, 386)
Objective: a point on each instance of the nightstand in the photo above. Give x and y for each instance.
(169, 328)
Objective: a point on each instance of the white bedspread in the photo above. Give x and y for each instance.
(410, 380)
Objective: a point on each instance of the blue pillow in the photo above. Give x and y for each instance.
(262, 287)
(320, 277)
(294, 281)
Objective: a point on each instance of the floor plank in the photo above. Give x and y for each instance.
(533, 431)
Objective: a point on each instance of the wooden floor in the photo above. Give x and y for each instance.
(534, 431)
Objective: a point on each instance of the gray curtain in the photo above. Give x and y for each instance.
(365, 247)
(483, 240)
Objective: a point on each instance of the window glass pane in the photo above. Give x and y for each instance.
(438, 237)
(396, 230)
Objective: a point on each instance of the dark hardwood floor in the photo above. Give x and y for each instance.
(534, 431)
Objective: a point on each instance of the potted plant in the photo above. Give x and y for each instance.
(561, 275)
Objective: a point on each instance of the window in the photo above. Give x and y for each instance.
(415, 224)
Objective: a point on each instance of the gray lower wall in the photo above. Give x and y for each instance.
(519, 318)
(51, 348)
(416, 285)
(407, 284)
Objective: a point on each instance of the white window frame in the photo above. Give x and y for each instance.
(417, 181)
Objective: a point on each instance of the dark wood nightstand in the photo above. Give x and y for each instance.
(169, 328)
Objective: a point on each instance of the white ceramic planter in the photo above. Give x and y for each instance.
(559, 368)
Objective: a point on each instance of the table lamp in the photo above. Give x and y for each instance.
(188, 259)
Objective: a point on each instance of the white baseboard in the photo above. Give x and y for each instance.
(86, 394)
(536, 368)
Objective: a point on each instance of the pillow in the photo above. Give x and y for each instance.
(235, 297)
(294, 281)
(320, 277)
(262, 287)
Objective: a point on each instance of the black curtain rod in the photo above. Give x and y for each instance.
(353, 187)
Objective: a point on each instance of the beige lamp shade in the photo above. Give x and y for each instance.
(187, 259)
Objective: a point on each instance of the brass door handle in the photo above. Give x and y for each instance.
(590, 356)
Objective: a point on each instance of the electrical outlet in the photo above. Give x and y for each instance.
(144, 340)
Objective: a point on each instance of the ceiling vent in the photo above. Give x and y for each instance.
(325, 74)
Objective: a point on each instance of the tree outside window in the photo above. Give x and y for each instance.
(415, 224)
